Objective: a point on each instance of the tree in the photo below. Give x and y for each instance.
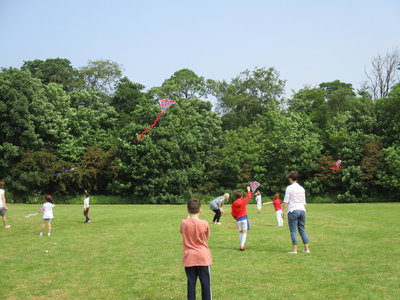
(184, 84)
(233, 163)
(312, 102)
(388, 116)
(290, 143)
(29, 120)
(57, 70)
(127, 97)
(384, 73)
(101, 75)
(247, 95)
(388, 177)
(168, 163)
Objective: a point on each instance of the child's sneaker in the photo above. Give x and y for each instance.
(241, 248)
(7, 226)
(307, 251)
(41, 234)
(292, 252)
(89, 221)
(49, 234)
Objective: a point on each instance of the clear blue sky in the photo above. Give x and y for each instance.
(308, 42)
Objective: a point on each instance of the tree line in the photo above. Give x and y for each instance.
(56, 117)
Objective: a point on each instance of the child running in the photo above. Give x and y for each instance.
(278, 209)
(86, 207)
(239, 212)
(47, 209)
(196, 254)
(3, 205)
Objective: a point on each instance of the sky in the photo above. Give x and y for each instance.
(307, 42)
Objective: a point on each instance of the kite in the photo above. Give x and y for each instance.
(66, 171)
(337, 168)
(254, 185)
(164, 104)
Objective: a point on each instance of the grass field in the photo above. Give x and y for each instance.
(134, 252)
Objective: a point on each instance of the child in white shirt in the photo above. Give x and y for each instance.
(3, 205)
(47, 209)
(86, 207)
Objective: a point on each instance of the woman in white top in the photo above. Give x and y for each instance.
(3, 205)
(47, 209)
(295, 202)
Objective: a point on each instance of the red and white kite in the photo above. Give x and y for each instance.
(164, 104)
(337, 167)
(254, 185)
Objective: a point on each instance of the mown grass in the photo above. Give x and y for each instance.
(134, 252)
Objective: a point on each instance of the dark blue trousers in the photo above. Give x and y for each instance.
(203, 272)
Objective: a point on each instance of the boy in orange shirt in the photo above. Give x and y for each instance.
(196, 254)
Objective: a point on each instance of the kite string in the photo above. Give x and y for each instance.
(235, 225)
(154, 124)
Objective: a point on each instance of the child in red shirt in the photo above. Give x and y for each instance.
(240, 214)
(196, 254)
(278, 209)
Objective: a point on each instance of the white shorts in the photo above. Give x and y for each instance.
(242, 225)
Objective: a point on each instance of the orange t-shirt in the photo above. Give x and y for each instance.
(195, 234)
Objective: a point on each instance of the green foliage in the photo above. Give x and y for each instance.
(290, 143)
(101, 75)
(248, 95)
(388, 177)
(55, 117)
(57, 70)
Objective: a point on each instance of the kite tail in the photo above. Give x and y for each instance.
(154, 124)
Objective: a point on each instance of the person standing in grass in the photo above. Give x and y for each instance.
(47, 209)
(86, 207)
(3, 205)
(216, 207)
(239, 212)
(196, 254)
(295, 202)
(259, 201)
(278, 209)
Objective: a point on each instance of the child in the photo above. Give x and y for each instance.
(47, 209)
(278, 209)
(196, 254)
(3, 205)
(259, 201)
(240, 214)
(86, 207)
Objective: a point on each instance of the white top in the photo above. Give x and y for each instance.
(295, 195)
(48, 210)
(86, 202)
(258, 198)
(1, 198)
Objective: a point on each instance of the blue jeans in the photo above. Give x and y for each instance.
(297, 220)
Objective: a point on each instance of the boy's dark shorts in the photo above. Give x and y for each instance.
(3, 211)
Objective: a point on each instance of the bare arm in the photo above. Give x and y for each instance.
(4, 201)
